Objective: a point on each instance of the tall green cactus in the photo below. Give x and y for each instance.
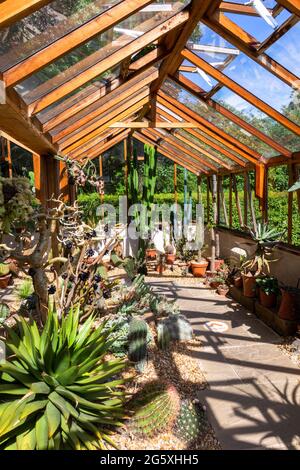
(137, 342)
(133, 179)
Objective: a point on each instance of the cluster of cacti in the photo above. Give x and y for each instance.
(4, 313)
(4, 269)
(17, 199)
(189, 421)
(174, 328)
(154, 409)
(137, 342)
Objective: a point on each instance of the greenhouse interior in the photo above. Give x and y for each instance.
(149, 225)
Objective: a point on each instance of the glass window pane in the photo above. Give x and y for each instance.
(286, 50)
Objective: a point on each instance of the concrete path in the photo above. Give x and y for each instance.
(253, 395)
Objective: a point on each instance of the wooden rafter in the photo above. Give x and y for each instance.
(100, 149)
(283, 29)
(248, 45)
(171, 64)
(103, 136)
(106, 103)
(154, 125)
(204, 140)
(96, 69)
(208, 128)
(238, 8)
(292, 5)
(12, 11)
(166, 152)
(239, 90)
(75, 38)
(195, 90)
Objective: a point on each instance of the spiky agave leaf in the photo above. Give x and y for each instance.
(56, 390)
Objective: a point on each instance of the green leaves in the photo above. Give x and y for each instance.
(63, 386)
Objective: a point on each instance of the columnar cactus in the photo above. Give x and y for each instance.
(137, 342)
(189, 422)
(163, 336)
(155, 409)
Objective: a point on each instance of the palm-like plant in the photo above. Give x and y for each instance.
(57, 391)
(266, 239)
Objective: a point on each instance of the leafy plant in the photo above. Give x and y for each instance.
(4, 269)
(57, 390)
(154, 409)
(25, 290)
(266, 239)
(269, 285)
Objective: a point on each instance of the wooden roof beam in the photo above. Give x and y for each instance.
(208, 142)
(239, 8)
(108, 62)
(13, 11)
(172, 62)
(70, 41)
(249, 46)
(239, 90)
(208, 128)
(100, 149)
(292, 5)
(195, 90)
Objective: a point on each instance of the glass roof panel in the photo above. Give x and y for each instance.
(216, 118)
(263, 84)
(45, 26)
(258, 119)
(93, 51)
(257, 26)
(286, 50)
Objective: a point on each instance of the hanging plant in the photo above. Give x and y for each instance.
(16, 202)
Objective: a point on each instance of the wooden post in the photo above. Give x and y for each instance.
(208, 200)
(245, 200)
(290, 204)
(230, 200)
(10, 172)
(237, 200)
(218, 200)
(222, 196)
(175, 184)
(213, 228)
(251, 205)
(125, 143)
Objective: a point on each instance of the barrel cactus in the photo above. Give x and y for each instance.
(189, 422)
(155, 409)
(137, 342)
(4, 269)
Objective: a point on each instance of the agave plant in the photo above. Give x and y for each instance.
(266, 239)
(57, 391)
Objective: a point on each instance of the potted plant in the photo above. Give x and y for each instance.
(268, 291)
(199, 266)
(216, 281)
(265, 240)
(287, 308)
(151, 252)
(5, 275)
(170, 254)
(223, 289)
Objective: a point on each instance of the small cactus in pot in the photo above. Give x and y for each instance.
(5, 275)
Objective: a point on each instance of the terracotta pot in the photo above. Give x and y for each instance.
(13, 266)
(215, 284)
(160, 268)
(199, 268)
(249, 285)
(223, 290)
(151, 253)
(170, 259)
(267, 300)
(287, 309)
(218, 264)
(5, 281)
(238, 282)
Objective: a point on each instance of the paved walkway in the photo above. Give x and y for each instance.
(253, 395)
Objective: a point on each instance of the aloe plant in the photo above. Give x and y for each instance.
(57, 391)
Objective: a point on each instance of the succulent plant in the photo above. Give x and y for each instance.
(189, 422)
(4, 312)
(4, 269)
(163, 336)
(177, 327)
(137, 342)
(155, 409)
